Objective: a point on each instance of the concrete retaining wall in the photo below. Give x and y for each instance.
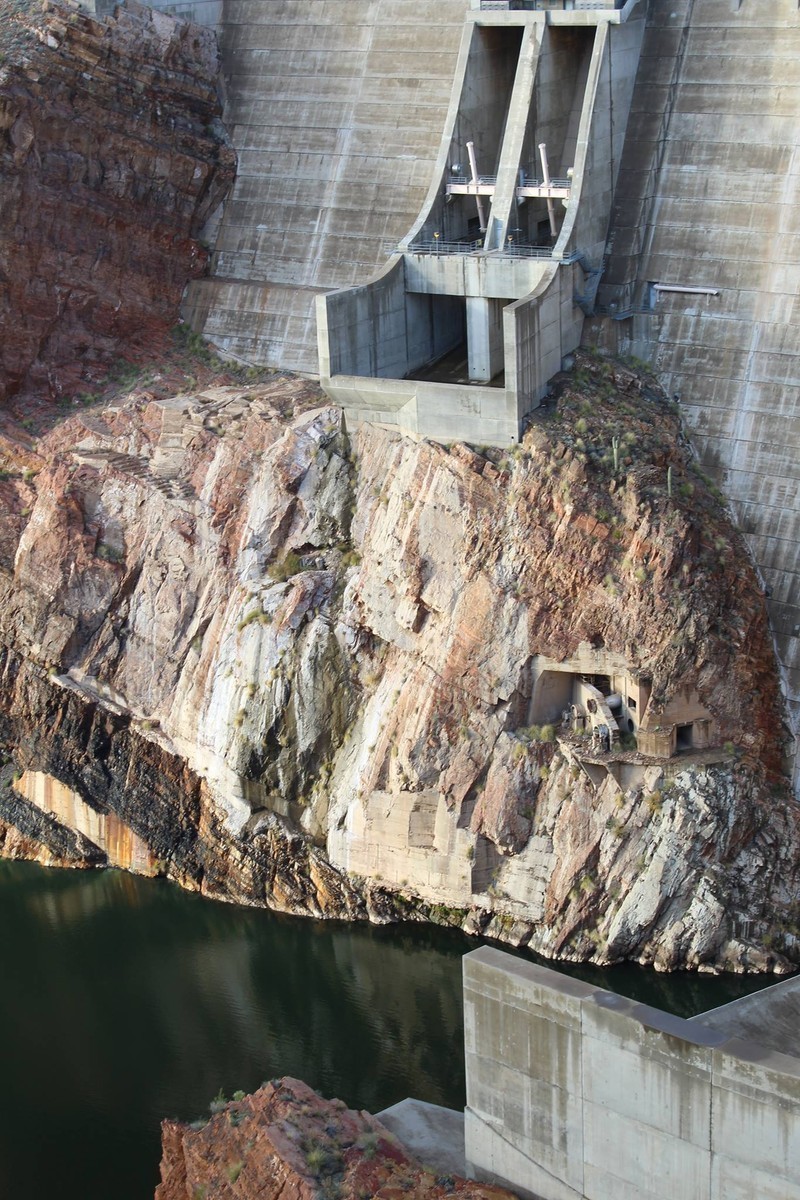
(574, 1093)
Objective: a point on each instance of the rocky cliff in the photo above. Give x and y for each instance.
(286, 1141)
(111, 159)
(292, 668)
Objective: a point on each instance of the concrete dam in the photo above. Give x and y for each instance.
(396, 230)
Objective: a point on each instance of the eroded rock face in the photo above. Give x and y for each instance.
(287, 1141)
(111, 159)
(300, 668)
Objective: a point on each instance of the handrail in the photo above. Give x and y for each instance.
(532, 181)
(549, 5)
(462, 180)
(438, 246)
(514, 250)
(520, 250)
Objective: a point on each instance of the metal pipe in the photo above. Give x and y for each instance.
(473, 166)
(551, 208)
(689, 291)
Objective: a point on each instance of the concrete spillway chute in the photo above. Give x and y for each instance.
(461, 332)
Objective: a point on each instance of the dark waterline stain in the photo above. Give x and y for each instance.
(125, 1000)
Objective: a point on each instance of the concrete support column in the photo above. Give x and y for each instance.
(484, 338)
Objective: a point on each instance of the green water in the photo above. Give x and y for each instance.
(124, 1000)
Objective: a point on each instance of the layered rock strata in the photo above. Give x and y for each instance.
(111, 159)
(302, 670)
(285, 1140)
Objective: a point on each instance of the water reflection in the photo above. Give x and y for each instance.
(126, 1000)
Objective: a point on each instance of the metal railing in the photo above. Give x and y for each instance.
(511, 249)
(549, 5)
(532, 181)
(439, 246)
(520, 250)
(464, 180)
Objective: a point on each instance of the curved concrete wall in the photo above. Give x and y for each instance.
(709, 196)
(336, 109)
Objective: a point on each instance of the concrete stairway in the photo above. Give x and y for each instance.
(336, 109)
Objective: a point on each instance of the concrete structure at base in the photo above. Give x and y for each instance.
(597, 690)
(499, 269)
(574, 1093)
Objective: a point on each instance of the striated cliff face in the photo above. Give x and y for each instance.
(111, 159)
(309, 672)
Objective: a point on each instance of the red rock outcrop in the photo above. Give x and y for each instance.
(286, 1141)
(111, 159)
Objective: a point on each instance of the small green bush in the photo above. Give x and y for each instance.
(109, 553)
(281, 571)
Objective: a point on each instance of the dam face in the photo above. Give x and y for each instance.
(346, 115)
(708, 204)
(336, 109)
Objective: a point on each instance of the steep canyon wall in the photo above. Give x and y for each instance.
(112, 157)
(301, 671)
(291, 669)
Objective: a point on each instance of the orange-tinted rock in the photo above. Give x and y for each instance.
(284, 1141)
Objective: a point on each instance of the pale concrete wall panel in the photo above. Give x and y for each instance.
(662, 1113)
(322, 78)
(640, 1084)
(624, 1157)
(735, 1181)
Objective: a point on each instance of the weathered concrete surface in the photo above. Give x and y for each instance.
(518, 80)
(708, 196)
(770, 1018)
(432, 1133)
(336, 114)
(577, 1094)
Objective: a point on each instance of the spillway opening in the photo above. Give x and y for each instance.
(553, 124)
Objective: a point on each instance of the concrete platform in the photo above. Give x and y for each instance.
(434, 1134)
(770, 1018)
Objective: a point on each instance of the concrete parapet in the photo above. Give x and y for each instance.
(574, 1093)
